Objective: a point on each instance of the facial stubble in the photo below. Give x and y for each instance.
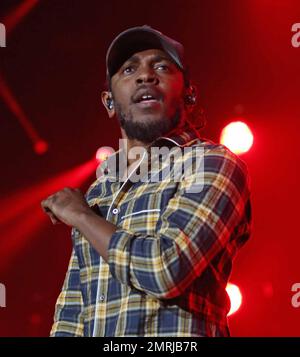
(147, 130)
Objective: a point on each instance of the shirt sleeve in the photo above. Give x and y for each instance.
(192, 229)
(68, 317)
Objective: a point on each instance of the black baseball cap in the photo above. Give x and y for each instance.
(137, 39)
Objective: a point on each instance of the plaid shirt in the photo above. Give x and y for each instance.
(168, 261)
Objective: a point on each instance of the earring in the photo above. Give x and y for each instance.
(190, 99)
(109, 103)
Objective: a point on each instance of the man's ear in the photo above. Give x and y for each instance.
(108, 103)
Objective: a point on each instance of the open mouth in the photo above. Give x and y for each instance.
(148, 102)
(146, 98)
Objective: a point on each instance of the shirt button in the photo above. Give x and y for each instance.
(115, 211)
(102, 297)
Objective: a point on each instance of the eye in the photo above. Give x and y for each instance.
(161, 66)
(128, 70)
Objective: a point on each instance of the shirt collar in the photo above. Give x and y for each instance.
(184, 138)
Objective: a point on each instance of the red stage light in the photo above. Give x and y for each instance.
(237, 136)
(23, 214)
(40, 147)
(19, 13)
(235, 297)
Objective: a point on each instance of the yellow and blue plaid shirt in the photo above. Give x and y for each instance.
(170, 258)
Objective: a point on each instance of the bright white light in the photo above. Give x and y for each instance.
(237, 136)
(103, 153)
(235, 297)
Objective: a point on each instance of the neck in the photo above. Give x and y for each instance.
(137, 143)
(133, 143)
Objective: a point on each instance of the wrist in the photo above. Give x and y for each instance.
(83, 217)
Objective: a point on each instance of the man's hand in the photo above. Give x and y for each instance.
(70, 207)
(66, 206)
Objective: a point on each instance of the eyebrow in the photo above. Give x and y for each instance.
(155, 58)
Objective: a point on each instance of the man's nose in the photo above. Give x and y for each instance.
(147, 76)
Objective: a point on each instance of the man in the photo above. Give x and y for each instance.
(152, 257)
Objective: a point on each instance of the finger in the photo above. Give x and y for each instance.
(52, 216)
(46, 208)
(44, 205)
(48, 202)
(53, 220)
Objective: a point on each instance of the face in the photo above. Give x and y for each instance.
(148, 92)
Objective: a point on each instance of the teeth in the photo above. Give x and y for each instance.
(145, 97)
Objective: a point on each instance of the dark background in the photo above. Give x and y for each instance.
(241, 57)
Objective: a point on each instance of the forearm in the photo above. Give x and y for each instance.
(96, 230)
